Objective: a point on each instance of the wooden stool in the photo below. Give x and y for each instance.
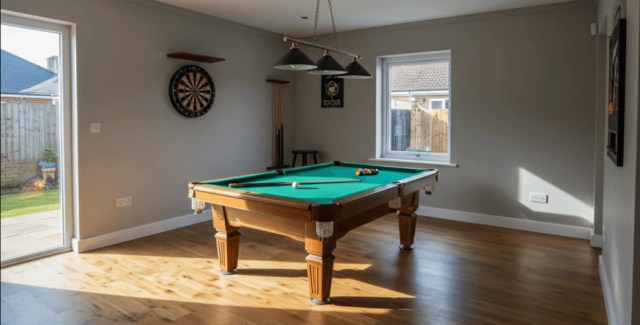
(304, 154)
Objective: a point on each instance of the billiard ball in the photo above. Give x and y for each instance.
(295, 184)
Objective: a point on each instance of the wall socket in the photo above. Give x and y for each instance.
(124, 201)
(538, 197)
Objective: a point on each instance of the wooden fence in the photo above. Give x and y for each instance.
(27, 128)
(420, 129)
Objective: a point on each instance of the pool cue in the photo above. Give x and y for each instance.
(278, 136)
(279, 125)
(281, 145)
(234, 185)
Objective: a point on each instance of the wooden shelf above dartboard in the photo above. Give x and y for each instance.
(194, 57)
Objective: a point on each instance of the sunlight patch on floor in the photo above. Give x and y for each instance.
(188, 279)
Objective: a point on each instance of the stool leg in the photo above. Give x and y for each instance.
(293, 164)
(315, 158)
(304, 159)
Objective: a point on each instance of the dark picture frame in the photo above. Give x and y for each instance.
(332, 90)
(615, 100)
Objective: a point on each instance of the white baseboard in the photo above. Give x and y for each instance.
(606, 290)
(504, 222)
(596, 240)
(120, 236)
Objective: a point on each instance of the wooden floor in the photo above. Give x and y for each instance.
(458, 274)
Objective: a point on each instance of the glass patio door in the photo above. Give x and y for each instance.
(35, 115)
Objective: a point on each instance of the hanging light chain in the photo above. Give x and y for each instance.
(333, 23)
(315, 24)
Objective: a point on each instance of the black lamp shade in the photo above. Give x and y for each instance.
(355, 71)
(295, 60)
(327, 65)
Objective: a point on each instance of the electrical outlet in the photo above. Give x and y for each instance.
(538, 197)
(124, 201)
(95, 127)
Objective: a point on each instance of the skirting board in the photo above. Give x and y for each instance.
(120, 236)
(606, 290)
(596, 240)
(504, 222)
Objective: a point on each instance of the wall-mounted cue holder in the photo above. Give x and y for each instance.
(194, 57)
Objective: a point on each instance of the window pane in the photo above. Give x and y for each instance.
(420, 111)
(436, 104)
(32, 213)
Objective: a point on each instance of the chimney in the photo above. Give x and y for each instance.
(52, 63)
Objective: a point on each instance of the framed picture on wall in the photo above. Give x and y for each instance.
(615, 104)
(332, 91)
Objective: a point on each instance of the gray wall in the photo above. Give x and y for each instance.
(523, 117)
(621, 251)
(522, 109)
(146, 149)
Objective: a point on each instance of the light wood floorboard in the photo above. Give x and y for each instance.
(459, 273)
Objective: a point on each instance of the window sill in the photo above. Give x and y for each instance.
(414, 162)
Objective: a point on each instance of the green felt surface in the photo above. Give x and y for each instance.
(321, 193)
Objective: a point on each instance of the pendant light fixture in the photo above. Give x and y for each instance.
(295, 60)
(355, 71)
(327, 65)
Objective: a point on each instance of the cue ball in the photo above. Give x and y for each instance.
(295, 184)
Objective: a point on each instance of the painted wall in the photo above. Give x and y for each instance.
(620, 199)
(146, 149)
(522, 109)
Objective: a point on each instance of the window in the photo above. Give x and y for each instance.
(414, 118)
(438, 103)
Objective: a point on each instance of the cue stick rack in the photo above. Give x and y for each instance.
(277, 155)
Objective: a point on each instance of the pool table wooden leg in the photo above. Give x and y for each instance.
(319, 265)
(407, 221)
(227, 241)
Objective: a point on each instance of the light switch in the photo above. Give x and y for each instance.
(95, 127)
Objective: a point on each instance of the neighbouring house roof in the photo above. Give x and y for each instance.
(21, 77)
(48, 87)
(424, 76)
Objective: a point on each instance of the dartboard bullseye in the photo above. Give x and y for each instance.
(192, 91)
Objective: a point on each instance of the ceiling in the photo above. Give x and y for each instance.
(284, 16)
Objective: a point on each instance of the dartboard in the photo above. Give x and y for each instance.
(192, 91)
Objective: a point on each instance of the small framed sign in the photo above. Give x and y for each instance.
(332, 91)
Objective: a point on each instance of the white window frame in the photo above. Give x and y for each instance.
(383, 101)
(442, 100)
(66, 121)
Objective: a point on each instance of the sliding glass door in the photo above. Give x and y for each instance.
(35, 117)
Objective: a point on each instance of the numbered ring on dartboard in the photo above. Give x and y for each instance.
(192, 91)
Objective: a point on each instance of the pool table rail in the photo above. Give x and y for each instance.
(417, 182)
(288, 208)
(195, 187)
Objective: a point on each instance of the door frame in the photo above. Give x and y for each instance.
(67, 122)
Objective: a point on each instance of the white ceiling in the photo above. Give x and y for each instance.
(284, 16)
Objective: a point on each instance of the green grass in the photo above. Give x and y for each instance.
(17, 204)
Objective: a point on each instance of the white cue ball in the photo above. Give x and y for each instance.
(295, 184)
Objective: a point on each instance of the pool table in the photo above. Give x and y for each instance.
(317, 214)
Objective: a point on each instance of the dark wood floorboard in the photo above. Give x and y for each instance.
(459, 273)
